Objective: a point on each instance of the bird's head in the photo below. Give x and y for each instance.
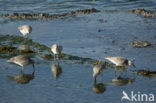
(19, 28)
(130, 63)
(11, 60)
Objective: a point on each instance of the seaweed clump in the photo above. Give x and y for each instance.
(147, 73)
(143, 12)
(21, 40)
(46, 15)
(78, 60)
(141, 44)
(38, 49)
(47, 56)
(27, 51)
(7, 49)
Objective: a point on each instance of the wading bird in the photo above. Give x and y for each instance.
(57, 50)
(25, 30)
(98, 69)
(120, 61)
(21, 60)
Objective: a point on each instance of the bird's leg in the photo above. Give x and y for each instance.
(33, 67)
(22, 71)
(115, 72)
(95, 80)
(120, 73)
(22, 68)
(58, 63)
(25, 37)
(59, 55)
(101, 77)
(54, 56)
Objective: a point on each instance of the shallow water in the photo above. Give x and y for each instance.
(79, 36)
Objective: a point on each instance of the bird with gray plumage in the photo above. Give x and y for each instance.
(98, 69)
(120, 61)
(57, 50)
(25, 30)
(21, 60)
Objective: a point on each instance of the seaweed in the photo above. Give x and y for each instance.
(144, 12)
(141, 44)
(42, 50)
(146, 73)
(44, 16)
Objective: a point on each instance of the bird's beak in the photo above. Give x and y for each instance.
(8, 60)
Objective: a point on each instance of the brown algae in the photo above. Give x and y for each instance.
(141, 44)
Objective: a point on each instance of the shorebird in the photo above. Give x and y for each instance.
(21, 60)
(25, 30)
(120, 61)
(56, 49)
(98, 69)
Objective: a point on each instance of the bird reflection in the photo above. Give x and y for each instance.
(99, 88)
(56, 70)
(22, 78)
(119, 81)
